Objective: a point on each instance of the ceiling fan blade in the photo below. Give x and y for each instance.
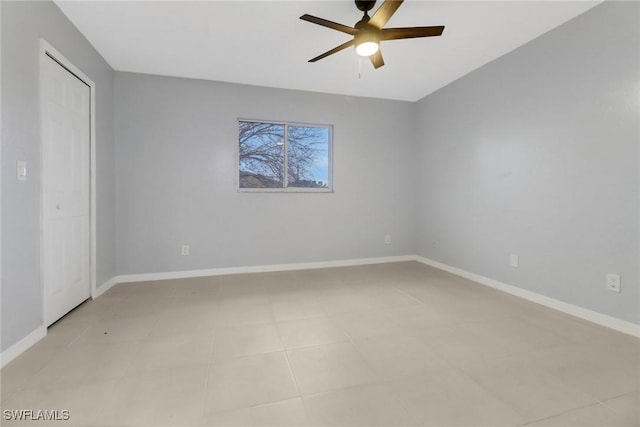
(332, 51)
(377, 60)
(384, 13)
(410, 32)
(329, 24)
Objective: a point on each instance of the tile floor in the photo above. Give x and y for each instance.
(382, 345)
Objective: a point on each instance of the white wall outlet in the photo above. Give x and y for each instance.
(387, 239)
(21, 170)
(513, 260)
(613, 282)
(185, 250)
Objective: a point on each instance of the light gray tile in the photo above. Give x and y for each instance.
(588, 368)
(191, 319)
(310, 332)
(88, 363)
(532, 394)
(460, 345)
(448, 397)
(370, 323)
(20, 372)
(341, 298)
(247, 381)
(117, 330)
(294, 309)
(82, 400)
(172, 351)
(246, 340)
(397, 356)
(167, 397)
(365, 405)
(329, 367)
(516, 335)
(596, 415)
(416, 317)
(236, 314)
(289, 412)
(626, 408)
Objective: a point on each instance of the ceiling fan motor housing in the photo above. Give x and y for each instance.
(367, 33)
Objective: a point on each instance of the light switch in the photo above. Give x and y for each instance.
(21, 170)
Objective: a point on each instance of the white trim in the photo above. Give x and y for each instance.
(105, 287)
(574, 310)
(258, 269)
(23, 345)
(46, 49)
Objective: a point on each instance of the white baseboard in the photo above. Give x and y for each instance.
(105, 287)
(601, 319)
(574, 310)
(257, 269)
(21, 346)
(25, 343)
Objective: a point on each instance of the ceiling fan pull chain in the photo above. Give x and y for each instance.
(359, 67)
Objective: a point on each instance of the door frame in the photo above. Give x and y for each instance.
(48, 53)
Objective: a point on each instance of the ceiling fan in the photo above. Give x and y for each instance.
(369, 32)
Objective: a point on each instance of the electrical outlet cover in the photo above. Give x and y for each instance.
(613, 282)
(513, 260)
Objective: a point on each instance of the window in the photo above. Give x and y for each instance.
(284, 156)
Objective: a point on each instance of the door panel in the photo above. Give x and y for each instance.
(66, 131)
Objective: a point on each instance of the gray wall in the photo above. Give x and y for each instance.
(537, 154)
(23, 23)
(176, 178)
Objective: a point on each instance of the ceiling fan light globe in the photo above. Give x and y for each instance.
(367, 48)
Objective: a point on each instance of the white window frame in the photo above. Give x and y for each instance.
(286, 124)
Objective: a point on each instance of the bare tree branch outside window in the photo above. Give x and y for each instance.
(264, 154)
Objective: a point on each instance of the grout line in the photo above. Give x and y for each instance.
(78, 337)
(293, 375)
(608, 399)
(255, 405)
(405, 293)
(577, 408)
(208, 372)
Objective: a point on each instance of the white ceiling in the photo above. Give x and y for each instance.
(264, 43)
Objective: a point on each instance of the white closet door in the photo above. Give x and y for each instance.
(66, 128)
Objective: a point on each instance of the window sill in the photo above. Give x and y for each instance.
(285, 190)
